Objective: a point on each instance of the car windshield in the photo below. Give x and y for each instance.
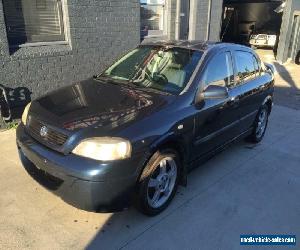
(160, 68)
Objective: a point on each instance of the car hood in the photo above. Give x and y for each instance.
(96, 104)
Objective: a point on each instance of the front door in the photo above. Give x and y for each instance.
(217, 120)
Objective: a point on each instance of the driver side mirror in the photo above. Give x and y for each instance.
(270, 67)
(212, 92)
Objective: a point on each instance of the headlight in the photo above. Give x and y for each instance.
(25, 113)
(104, 148)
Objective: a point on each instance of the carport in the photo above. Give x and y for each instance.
(242, 18)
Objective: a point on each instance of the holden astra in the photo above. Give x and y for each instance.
(130, 134)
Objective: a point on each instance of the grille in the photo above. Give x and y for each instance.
(45, 179)
(53, 137)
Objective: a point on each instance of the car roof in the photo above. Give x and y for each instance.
(194, 45)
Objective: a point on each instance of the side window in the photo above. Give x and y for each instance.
(219, 71)
(245, 66)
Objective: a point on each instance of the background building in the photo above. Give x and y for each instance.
(45, 44)
(224, 20)
(181, 19)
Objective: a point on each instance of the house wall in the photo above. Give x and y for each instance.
(171, 18)
(201, 26)
(98, 31)
(205, 19)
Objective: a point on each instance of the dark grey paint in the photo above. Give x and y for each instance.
(149, 120)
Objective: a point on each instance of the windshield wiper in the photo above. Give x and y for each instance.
(128, 83)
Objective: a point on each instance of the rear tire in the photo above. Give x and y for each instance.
(158, 182)
(260, 125)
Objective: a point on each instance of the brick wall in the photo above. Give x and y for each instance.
(199, 18)
(98, 31)
(171, 18)
(216, 19)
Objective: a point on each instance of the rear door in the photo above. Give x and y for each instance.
(216, 120)
(251, 82)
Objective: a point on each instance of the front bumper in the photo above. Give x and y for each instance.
(84, 183)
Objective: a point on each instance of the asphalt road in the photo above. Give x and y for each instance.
(247, 189)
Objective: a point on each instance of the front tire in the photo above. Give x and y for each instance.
(260, 125)
(158, 182)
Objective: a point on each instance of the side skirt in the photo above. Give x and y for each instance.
(196, 163)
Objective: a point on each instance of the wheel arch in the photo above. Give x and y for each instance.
(177, 143)
(269, 102)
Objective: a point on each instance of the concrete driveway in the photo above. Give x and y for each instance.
(247, 189)
(287, 84)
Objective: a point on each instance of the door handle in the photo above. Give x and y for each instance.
(233, 101)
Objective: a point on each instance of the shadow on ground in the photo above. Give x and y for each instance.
(287, 96)
(134, 225)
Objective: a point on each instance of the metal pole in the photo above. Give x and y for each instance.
(208, 19)
(177, 22)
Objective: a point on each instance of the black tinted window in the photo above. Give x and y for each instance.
(245, 66)
(219, 70)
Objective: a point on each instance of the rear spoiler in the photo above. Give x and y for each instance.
(270, 67)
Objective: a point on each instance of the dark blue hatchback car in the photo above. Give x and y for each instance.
(131, 134)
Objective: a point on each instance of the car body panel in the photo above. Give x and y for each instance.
(149, 119)
(82, 110)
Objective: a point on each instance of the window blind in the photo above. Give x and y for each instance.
(29, 21)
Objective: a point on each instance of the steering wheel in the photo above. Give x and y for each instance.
(160, 78)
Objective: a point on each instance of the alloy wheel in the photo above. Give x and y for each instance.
(162, 182)
(262, 123)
